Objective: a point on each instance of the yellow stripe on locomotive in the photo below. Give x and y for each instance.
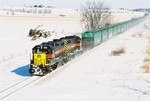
(39, 59)
(65, 47)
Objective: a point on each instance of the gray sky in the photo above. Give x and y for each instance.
(77, 3)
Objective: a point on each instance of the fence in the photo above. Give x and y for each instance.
(13, 55)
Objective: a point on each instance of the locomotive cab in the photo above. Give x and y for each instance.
(41, 59)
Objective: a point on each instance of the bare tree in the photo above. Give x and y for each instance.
(95, 15)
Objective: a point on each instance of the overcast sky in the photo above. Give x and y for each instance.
(77, 3)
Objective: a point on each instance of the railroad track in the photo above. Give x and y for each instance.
(24, 83)
(18, 86)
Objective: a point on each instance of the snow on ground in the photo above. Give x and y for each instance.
(16, 48)
(14, 32)
(124, 15)
(16, 45)
(13, 71)
(94, 76)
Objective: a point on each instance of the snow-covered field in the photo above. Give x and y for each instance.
(94, 76)
(14, 30)
(124, 15)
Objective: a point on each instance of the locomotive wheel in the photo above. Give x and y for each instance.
(50, 69)
(45, 71)
(31, 71)
(60, 64)
(54, 66)
(65, 60)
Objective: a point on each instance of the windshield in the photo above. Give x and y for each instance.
(41, 50)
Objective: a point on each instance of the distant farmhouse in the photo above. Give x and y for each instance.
(142, 10)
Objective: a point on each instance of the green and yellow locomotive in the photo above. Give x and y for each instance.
(47, 56)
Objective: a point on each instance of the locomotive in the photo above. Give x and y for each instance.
(48, 56)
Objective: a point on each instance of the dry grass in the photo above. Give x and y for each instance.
(148, 51)
(118, 52)
(146, 59)
(148, 37)
(137, 35)
(146, 67)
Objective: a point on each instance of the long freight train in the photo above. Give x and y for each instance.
(46, 57)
